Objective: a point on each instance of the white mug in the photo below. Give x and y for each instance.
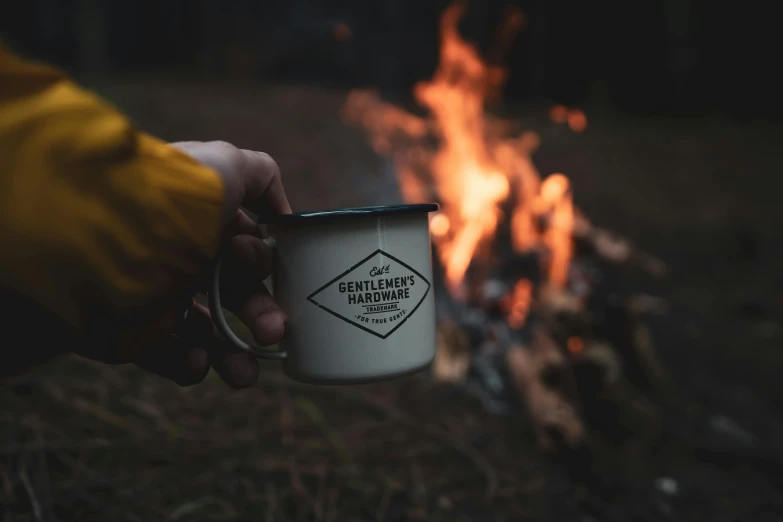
(356, 285)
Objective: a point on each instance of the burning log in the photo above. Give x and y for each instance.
(541, 374)
(515, 278)
(453, 354)
(555, 301)
(644, 347)
(643, 304)
(613, 248)
(603, 358)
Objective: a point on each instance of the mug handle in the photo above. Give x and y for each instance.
(219, 318)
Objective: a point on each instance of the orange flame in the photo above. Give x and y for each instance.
(555, 200)
(476, 168)
(517, 304)
(468, 180)
(439, 225)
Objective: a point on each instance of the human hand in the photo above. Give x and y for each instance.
(248, 177)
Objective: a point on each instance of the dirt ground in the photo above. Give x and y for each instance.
(82, 441)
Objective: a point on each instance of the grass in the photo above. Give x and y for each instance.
(85, 441)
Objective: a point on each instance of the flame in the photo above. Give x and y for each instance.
(466, 160)
(469, 182)
(555, 200)
(439, 225)
(517, 304)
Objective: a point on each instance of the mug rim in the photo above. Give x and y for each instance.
(371, 211)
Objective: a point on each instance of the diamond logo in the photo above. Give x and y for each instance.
(377, 294)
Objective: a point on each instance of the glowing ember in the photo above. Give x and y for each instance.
(517, 304)
(463, 159)
(575, 345)
(558, 114)
(577, 120)
(341, 32)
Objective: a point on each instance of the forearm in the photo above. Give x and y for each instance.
(97, 221)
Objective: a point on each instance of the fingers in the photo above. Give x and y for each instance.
(264, 318)
(180, 360)
(243, 292)
(248, 261)
(183, 359)
(261, 314)
(241, 223)
(254, 252)
(251, 179)
(245, 295)
(237, 369)
(264, 192)
(186, 360)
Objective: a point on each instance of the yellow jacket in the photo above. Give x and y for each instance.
(97, 220)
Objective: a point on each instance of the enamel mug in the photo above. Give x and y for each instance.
(356, 286)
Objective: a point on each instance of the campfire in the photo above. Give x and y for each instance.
(524, 314)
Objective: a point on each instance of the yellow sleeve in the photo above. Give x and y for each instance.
(95, 217)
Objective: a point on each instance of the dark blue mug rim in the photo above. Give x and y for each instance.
(342, 213)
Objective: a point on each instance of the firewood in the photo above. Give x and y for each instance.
(452, 356)
(611, 247)
(555, 417)
(644, 304)
(552, 300)
(645, 348)
(603, 356)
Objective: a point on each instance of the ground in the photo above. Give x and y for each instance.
(84, 441)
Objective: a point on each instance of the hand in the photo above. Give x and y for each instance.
(248, 177)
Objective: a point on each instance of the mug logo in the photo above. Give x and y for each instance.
(377, 294)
